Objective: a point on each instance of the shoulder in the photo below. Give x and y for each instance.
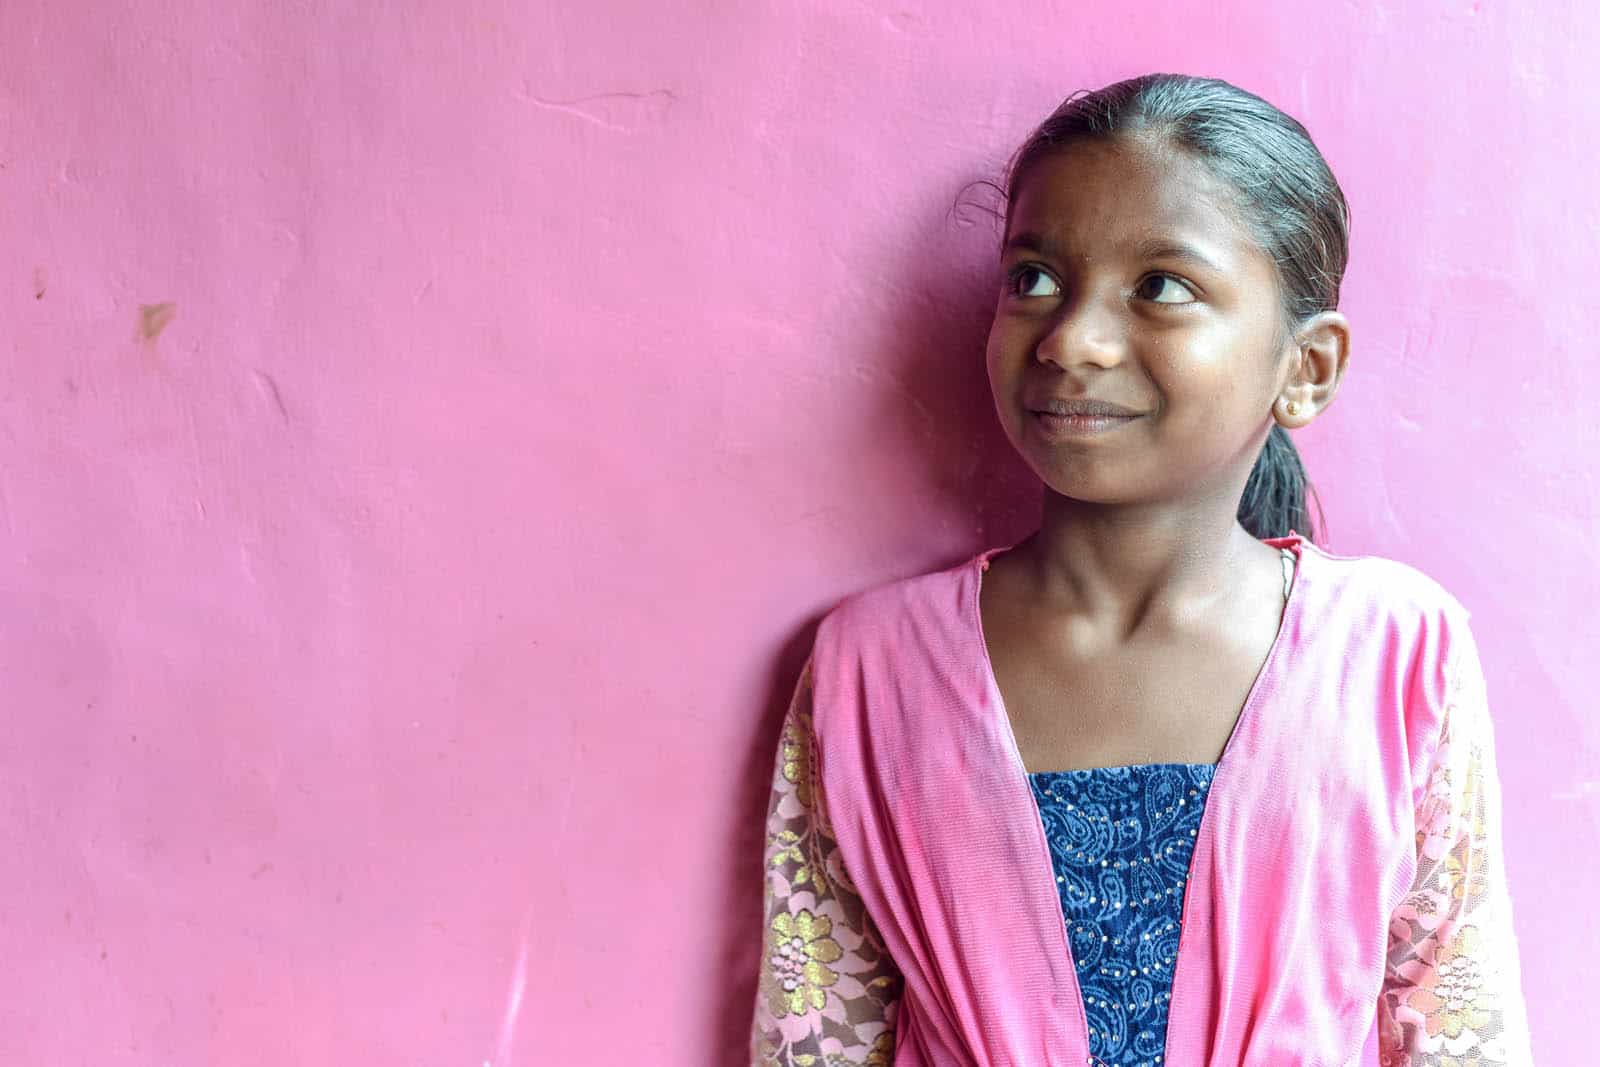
(1380, 588)
(902, 608)
(1405, 612)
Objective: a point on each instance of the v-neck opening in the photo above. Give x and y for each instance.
(979, 564)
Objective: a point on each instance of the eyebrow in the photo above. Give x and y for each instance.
(1154, 248)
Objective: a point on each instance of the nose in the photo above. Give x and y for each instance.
(1085, 331)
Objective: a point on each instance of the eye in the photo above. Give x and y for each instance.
(1181, 292)
(1033, 282)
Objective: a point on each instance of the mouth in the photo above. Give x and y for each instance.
(1079, 416)
(1058, 427)
(1081, 405)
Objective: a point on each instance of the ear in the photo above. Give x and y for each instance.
(1316, 365)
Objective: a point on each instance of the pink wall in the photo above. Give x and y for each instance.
(430, 436)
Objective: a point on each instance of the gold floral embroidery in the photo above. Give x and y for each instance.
(804, 850)
(797, 758)
(1464, 877)
(1448, 995)
(828, 991)
(1452, 993)
(801, 948)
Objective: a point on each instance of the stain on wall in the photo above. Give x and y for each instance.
(153, 318)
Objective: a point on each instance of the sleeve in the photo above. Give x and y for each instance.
(1452, 992)
(828, 992)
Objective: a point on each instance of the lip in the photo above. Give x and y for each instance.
(1068, 427)
(1063, 418)
(1080, 405)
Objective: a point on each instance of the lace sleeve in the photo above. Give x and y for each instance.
(1452, 992)
(828, 992)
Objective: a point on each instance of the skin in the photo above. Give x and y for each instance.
(1130, 627)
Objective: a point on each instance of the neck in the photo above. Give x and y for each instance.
(1124, 566)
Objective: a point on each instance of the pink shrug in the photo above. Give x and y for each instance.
(1307, 937)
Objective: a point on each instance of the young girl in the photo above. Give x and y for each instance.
(1164, 782)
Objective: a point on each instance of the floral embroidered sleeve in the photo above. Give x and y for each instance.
(828, 992)
(1452, 995)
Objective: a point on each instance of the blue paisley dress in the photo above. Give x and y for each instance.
(1120, 841)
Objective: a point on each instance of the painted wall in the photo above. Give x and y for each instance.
(431, 432)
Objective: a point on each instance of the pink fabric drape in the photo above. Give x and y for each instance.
(1307, 847)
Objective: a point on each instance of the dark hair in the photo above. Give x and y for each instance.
(1287, 194)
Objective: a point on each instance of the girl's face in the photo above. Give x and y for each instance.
(1128, 278)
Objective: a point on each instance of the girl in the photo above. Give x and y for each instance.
(1164, 782)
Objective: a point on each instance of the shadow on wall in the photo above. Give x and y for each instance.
(936, 426)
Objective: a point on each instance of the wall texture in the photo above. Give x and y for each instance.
(431, 432)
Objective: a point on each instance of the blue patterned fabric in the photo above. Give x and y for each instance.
(1120, 841)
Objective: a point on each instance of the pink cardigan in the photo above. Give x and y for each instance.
(1304, 940)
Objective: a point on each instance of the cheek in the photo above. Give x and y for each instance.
(1172, 368)
(1194, 379)
(998, 349)
(1214, 382)
(1198, 363)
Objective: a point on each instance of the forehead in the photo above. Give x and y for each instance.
(1099, 197)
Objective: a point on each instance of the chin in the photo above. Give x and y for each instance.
(1082, 486)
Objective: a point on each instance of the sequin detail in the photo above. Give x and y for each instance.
(1120, 842)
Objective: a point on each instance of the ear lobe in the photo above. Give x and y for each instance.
(1323, 341)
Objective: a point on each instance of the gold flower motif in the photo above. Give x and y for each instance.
(799, 949)
(882, 1051)
(797, 761)
(1449, 995)
(1466, 883)
(1475, 790)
